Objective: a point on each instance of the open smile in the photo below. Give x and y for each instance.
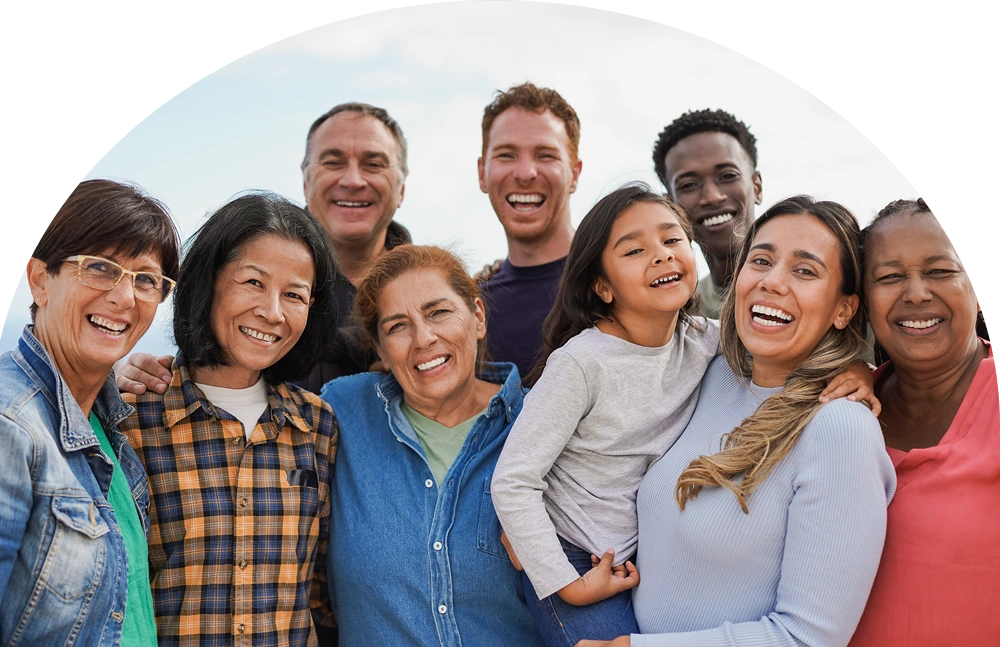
(772, 317)
(258, 335)
(348, 204)
(108, 327)
(716, 220)
(525, 201)
(920, 326)
(432, 364)
(666, 279)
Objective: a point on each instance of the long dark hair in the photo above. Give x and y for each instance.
(577, 307)
(219, 242)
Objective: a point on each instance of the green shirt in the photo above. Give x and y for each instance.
(441, 444)
(139, 628)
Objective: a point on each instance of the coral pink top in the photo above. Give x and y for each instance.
(939, 579)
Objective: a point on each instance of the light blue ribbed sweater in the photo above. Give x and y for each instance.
(797, 570)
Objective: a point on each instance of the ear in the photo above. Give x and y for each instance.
(402, 192)
(577, 167)
(481, 163)
(480, 314)
(383, 356)
(38, 281)
(846, 311)
(758, 188)
(603, 290)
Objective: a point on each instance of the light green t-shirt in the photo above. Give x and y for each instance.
(139, 628)
(441, 444)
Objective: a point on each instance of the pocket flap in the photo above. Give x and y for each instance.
(81, 515)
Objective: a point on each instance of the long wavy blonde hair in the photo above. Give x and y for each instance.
(755, 447)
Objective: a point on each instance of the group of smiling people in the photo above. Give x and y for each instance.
(668, 479)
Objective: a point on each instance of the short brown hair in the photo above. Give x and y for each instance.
(531, 97)
(106, 217)
(410, 258)
(363, 109)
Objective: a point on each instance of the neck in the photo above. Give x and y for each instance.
(768, 376)
(721, 268)
(526, 253)
(650, 329)
(354, 257)
(457, 407)
(931, 384)
(225, 377)
(84, 382)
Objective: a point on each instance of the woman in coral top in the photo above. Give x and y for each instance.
(939, 579)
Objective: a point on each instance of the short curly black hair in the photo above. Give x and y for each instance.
(693, 122)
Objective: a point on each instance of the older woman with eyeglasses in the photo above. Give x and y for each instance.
(73, 496)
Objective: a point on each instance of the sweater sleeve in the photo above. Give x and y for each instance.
(833, 543)
(550, 415)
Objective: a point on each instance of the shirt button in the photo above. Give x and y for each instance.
(438, 545)
(117, 615)
(442, 609)
(243, 564)
(243, 502)
(241, 628)
(236, 441)
(429, 483)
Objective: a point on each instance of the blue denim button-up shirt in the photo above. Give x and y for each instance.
(63, 570)
(411, 563)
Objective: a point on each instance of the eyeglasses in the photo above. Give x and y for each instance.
(100, 273)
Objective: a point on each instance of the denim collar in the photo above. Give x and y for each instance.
(507, 401)
(73, 435)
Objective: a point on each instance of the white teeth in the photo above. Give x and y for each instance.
(919, 325)
(111, 326)
(426, 366)
(531, 198)
(345, 203)
(666, 279)
(771, 312)
(256, 334)
(717, 220)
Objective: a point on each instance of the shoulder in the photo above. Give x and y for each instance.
(350, 387)
(308, 403)
(844, 430)
(701, 331)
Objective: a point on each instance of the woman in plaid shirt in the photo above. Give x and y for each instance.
(238, 459)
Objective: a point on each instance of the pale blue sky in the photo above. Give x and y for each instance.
(434, 68)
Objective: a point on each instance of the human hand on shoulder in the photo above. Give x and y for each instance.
(600, 582)
(488, 271)
(143, 371)
(856, 385)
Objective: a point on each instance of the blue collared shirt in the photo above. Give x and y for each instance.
(63, 570)
(411, 563)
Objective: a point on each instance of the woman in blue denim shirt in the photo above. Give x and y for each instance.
(73, 496)
(415, 556)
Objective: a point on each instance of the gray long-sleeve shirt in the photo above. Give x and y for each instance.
(602, 412)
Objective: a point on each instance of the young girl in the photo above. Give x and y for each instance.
(623, 358)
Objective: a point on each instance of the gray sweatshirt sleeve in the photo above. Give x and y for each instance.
(551, 412)
(835, 531)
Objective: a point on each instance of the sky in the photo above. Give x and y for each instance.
(434, 68)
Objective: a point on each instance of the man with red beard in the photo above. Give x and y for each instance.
(529, 168)
(707, 160)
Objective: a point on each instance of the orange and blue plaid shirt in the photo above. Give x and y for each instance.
(236, 526)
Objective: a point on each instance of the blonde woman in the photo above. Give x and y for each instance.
(774, 539)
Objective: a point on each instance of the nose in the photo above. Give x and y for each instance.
(269, 308)
(352, 177)
(123, 294)
(711, 194)
(423, 334)
(774, 282)
(916, 290)
(525, 171)
(663, 255)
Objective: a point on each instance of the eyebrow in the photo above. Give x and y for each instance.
(336, 152)
(798, 253)
(717, 167)
(426, 306)
(632, 235)
(926, 261)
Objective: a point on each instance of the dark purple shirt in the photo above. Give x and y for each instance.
(517, 301)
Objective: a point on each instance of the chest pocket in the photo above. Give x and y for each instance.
(488, 535)
(77, 553)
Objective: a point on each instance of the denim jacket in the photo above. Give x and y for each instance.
(409, 562)
(63, 572)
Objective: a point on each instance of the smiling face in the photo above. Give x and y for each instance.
(428, 338)
(712, 177)
(84, 329)
(788, 295)
(920, 301)
(260, 307)
(529, 173)
(649, 266)
(352, 182)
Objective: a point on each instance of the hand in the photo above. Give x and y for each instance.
(621, 641)
(510, 551)
(143, 371)
(856, 384)
(601, 582)
(484, 274)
